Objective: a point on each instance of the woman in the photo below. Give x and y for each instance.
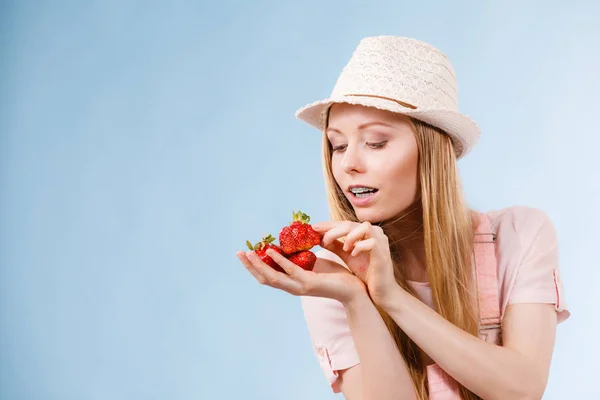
(414, 295)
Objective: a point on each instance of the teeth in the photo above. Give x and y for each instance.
(361, 190)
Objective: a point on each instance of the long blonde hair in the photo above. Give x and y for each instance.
(448, 242)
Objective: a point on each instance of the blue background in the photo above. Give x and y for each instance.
(141, 144)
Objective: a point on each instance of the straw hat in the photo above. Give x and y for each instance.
(401, 75)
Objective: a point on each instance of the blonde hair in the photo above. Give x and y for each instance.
(447, 238)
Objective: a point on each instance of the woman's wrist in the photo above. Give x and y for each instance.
(356, 298)
(392, 299)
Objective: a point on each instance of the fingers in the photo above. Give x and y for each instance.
(331, 239)
(267, 275)
(354, 234)
(337, 248)
(336, 232)
(363, 246)
(322, 227)
(250, 267)
(358, 233)
(289, 267)
(273, 278)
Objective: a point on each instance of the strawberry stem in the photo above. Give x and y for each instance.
(300, 216)
(266, 239)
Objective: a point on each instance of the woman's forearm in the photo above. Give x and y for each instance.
(384, 372)
(488, 370)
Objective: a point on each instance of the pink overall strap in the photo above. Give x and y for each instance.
(487, 274)
(441, 385)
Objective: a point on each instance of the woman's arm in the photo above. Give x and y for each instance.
(517, 370)
(382, 373)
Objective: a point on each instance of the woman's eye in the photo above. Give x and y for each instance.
(377, 145)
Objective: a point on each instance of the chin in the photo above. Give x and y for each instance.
(369, 215)
(376, 215)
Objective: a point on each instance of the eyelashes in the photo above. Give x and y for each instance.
(375, 146)
(379, 145)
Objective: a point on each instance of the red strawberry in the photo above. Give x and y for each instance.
(299, 235)
(261, 248)
(305, 259)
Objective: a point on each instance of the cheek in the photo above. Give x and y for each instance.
(404, 175)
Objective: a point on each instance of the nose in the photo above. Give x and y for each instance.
(352, 160)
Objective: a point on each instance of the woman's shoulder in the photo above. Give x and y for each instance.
(527, 258)
(526, 241)
(525, 222)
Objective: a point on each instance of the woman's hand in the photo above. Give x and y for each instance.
(327, 279)
(366, 252)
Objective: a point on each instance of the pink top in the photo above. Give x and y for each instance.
(527, 272)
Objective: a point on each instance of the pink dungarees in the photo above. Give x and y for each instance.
(441, 385)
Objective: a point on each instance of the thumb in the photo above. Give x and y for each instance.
(337, 248)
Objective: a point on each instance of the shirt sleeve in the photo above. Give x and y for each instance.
(330, 335)
(538, 274)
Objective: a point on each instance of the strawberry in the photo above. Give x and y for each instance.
(298, 235)
(305, 259)
(261, 248)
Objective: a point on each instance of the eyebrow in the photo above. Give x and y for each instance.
(364, 126)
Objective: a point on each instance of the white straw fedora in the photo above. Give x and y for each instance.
(402, 75)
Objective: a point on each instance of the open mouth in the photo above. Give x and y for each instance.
(363, 192)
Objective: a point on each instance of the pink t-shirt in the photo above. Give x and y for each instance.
(528, 272)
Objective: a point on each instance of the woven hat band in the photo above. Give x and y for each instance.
(402, 103)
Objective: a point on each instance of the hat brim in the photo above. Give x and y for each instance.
(463, 131)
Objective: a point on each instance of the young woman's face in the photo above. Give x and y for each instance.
(374, 149)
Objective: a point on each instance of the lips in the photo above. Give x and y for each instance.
(363, 198)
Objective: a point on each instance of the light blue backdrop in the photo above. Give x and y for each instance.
(143, 142)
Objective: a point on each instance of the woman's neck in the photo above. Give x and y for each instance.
(405, 234)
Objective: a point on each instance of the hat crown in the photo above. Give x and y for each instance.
(405, 76)
(403, 69)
